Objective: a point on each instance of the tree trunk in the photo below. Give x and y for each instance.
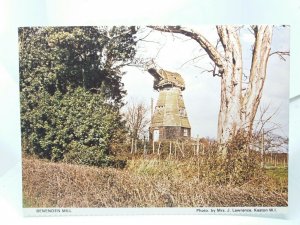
(229, 121)
(238, 108)
(260, 56)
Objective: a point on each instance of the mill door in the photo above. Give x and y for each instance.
(155, 135)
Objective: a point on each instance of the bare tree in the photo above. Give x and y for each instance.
(137, 119)
(239, 103)
(265, 129)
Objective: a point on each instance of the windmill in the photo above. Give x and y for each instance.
(169, 119)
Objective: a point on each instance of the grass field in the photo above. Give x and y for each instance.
(144, 183)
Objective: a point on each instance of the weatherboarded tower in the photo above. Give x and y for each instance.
(169, 120)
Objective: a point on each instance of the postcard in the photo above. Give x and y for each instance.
(154, 119)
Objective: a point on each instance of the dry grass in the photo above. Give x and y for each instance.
(144, 183)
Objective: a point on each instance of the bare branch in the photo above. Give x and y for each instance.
(281, 54)
(251, 30)
(263, 120)
(137, 118)
(204, 43)
(213, 70)
(192, 60)
(161, 47)
(143, 39)
(200, 56)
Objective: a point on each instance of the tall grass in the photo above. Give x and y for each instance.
(146, 182)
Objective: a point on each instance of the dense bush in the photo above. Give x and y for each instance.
(74, 125)
(71, 90)
(78, 153)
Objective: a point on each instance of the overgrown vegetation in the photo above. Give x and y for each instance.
(71, 91)
(76, 127)
(158, 180)
(182, 179)
(144, 183)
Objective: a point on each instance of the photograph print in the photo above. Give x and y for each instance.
(154, 116)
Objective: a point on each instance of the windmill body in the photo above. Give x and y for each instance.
(169, 120)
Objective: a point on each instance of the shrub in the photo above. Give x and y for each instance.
(78, 123)
(236, 169)
(239, 166)
(70, 91)
(84, 155)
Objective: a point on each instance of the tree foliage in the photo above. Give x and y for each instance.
(64, 58)
(71, 90)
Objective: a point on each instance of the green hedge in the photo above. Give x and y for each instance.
(76, 127)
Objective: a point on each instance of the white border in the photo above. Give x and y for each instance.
(198, 12)
(274, 212)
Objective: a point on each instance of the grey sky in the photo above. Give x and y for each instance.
(202, 93)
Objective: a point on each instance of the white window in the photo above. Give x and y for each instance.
(185, 132)
(182, 112)
(155, 135)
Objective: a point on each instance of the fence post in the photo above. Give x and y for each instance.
(131, 151)
(145, 149)
(170, 148)
(197, 150)
(180, 148)
(153, 146)
(135, 145)
(175, 150)
(262, 149)
(158, 150)
(272, 158)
